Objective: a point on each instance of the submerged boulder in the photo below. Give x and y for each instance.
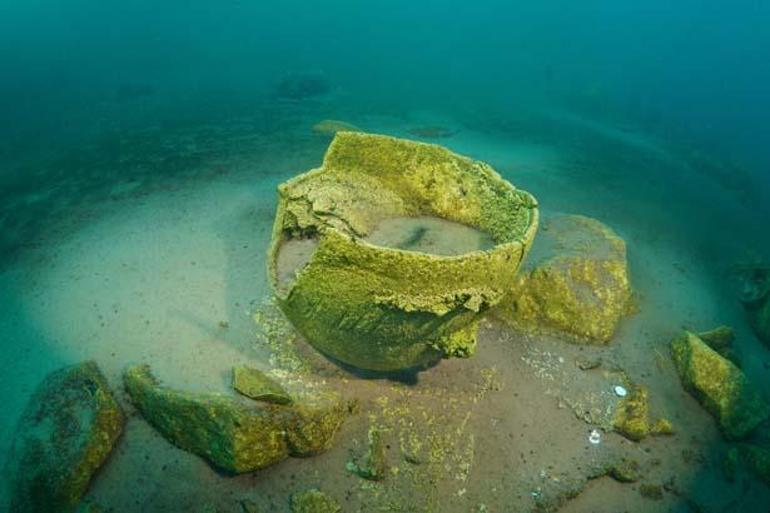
(575, 281)
(384, 308)
(236, 436)
(66, 432)
(719, 385)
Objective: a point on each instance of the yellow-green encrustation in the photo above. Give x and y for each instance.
(383, 308)
(69, 428)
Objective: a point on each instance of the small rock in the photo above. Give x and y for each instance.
(314, 501)
(624, 471)
(651, 491)
(632, 417)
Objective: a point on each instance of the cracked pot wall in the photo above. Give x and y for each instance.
(381, 308)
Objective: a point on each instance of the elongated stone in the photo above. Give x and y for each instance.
(719, 386)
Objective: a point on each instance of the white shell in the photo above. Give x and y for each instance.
(620, 391)
(595, 437)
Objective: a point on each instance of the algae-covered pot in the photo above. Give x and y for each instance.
(386, 308)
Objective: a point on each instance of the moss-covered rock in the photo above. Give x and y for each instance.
(575, 282)
(231, 435)
(719, 386)
(255, 384)
(313, 501)
(632, 417)
(383, 308)
(66, 432)
(624, 470)
(236, 436)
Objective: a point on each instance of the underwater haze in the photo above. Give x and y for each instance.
(142, 145)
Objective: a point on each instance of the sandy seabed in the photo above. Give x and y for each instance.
(169, 269)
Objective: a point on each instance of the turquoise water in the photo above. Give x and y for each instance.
(141, 145)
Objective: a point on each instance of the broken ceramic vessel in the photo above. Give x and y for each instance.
(392, 307)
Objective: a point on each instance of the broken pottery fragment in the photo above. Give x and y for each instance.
(232, 435)
(719, 386)
(574, 282)
(313, 501)
(383, 308)
(66, 432)
(255, 384)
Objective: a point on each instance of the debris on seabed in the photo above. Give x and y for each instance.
(620, 391)
(595, 437)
